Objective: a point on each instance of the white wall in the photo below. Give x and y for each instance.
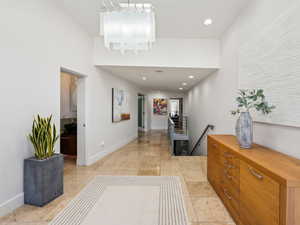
(36, 40)
(100, 123)
(156, 122)
(212, 100)
(190, 53)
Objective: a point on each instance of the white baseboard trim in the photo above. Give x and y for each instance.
(159, 128)
(11, 204)
(94, 158)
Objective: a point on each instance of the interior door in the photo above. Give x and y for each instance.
(81, 123)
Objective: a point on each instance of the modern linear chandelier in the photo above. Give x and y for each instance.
(127, 27)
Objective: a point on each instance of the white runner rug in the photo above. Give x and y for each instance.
(113, 200)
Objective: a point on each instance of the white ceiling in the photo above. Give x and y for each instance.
(170, 79)
(175, 19)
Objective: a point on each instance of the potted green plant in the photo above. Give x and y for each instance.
(43, 173)
(246, 101)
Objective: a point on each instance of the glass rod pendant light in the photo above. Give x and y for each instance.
(128, 26)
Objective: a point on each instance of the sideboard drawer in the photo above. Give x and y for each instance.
(231, 177)
(230, 159)
(232, 193)
(259, 197)
(230, 197)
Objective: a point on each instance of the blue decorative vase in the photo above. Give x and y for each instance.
(244, 130)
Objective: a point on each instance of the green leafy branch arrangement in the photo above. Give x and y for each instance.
(43, 137)
(252, 99)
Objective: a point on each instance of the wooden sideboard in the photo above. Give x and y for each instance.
(258, 186)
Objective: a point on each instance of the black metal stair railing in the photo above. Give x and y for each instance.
(201, 137)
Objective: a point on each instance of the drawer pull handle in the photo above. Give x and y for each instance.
(229, 166)
(226, 194)
(255, 174)
(214, 145)
(227, 175)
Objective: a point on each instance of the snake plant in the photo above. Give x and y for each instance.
(43, 137)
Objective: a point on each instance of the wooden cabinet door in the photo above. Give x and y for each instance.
(259, 197)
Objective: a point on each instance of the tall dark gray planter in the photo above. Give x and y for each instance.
(43, 180)
(244, 130)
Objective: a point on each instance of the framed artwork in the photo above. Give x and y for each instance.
(120, 105)
(160, 106)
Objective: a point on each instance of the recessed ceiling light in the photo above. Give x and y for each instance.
(184, 84)
(180, 88)
(144, 78)
(208, 22)
(191, 77)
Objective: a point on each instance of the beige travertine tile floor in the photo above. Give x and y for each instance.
(147, 156)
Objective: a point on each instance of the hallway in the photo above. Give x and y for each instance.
(146, 156)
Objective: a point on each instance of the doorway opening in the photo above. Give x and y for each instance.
(141, 112)
(176, 107)
(72, 117)
(176, 113)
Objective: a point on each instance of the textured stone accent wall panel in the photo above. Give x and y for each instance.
(271, 61)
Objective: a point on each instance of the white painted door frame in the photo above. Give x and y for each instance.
(81, 116)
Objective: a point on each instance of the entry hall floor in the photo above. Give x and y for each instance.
(149, 155)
